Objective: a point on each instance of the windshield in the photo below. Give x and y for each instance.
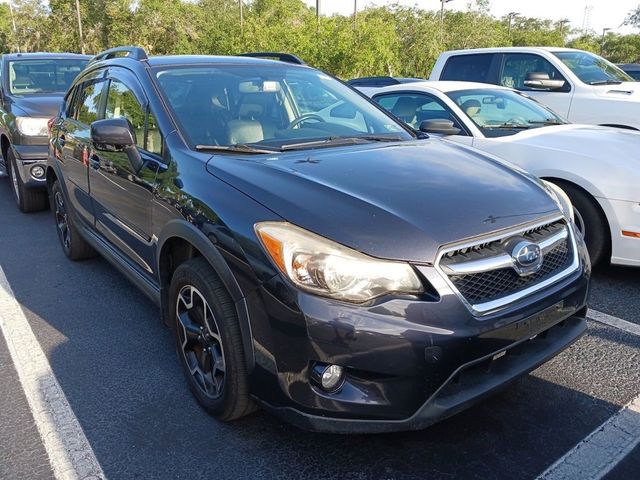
(28, 77)
(274, 107)
(503, 112)
(592, 69)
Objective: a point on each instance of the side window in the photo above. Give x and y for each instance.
(69, 103)
(516, 66)
(415, 108)
(122, 103)
(470, 68)
(86, 104)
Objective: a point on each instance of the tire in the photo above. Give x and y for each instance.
(74, 246)
(591, 222)
(27, 200)
(209, 347)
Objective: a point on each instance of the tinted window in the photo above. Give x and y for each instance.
(43, 76)
(516, 66)
(122, 103)
(415, 108)
(87, 102)
(273, 105)
(470, 68)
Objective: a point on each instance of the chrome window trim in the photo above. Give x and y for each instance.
(481, 309)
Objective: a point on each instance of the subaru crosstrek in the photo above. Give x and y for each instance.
(311, 255)
(32, 86)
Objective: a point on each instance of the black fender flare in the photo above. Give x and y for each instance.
(180, 228)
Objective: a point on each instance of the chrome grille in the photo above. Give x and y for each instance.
(484, 273)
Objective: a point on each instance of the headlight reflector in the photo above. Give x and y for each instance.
(33, 127)
(321, 266)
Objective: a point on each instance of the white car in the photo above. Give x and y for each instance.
(598, 167)
(579, 85)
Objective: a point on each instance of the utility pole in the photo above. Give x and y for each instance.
(80, 26)
(240, 4)
(318, 6)
(511, 16)
(15, 31)
(604, 32)
(442, 2)
(355, 14)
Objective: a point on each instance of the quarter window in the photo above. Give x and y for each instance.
(88, 102)
(122, 103)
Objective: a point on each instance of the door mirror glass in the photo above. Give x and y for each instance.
(439, 126)
(116, 135)
(541, 81)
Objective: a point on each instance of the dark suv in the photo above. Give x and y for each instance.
(311, 255)
(32, 86)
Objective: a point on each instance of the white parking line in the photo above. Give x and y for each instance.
(602, 450)
(615, 322)
(67, 447)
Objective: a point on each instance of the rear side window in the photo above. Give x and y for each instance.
(469, 68)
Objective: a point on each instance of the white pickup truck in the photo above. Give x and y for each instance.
(580, 86)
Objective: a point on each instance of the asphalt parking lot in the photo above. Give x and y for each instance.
(116, 365)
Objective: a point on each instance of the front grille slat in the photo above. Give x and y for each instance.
(487, 286)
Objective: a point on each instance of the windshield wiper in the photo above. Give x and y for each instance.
(509, 126)
(239, 148)
(548, 121)
(605, 82)
(338, 141)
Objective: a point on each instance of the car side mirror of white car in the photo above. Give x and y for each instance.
(541, 81)
(439, 126)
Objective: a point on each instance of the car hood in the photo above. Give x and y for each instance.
(398, 201)
(37, 105)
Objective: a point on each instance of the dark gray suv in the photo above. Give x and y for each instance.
(31, 89)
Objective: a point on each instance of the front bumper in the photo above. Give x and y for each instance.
(27, 157)
(623, 217)
(410, 361)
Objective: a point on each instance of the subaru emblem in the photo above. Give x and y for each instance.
(527, 257)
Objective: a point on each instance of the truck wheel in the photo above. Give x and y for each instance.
(26, 199)
(74, 246)
(208, 340)
(591, 222)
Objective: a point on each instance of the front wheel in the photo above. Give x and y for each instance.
(208, 340)
(27, 200)
(591, 222)
(74, 246)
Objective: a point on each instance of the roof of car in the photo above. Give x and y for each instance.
(44, 55)
(166, 60)
(443, 86)
(511, 49)
(629, 66)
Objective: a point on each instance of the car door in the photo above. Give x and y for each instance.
(515, 67)
(414, 107)
(122, 196)
(83, 107)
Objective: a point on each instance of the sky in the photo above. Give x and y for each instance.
(602, 13)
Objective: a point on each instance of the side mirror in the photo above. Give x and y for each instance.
(439, 126)
(117, 135)
(541, 81)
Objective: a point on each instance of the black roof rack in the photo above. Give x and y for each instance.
(136, 53)
(283, 57)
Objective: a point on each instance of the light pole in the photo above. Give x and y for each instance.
(241, 6)
(355, 13)
(511, 16)
(442, 2)
(604, 32)
(562, 23)
(80, 26)
(15, 32)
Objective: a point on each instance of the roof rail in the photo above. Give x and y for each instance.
(282, 57)
(136, 53)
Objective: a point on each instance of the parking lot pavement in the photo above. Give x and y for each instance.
(116, 363)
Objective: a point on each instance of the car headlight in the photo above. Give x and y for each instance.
(32, 127)
(321, 266)
(562, 199)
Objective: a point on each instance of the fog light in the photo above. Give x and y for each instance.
(37, 172)
(329, 377)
